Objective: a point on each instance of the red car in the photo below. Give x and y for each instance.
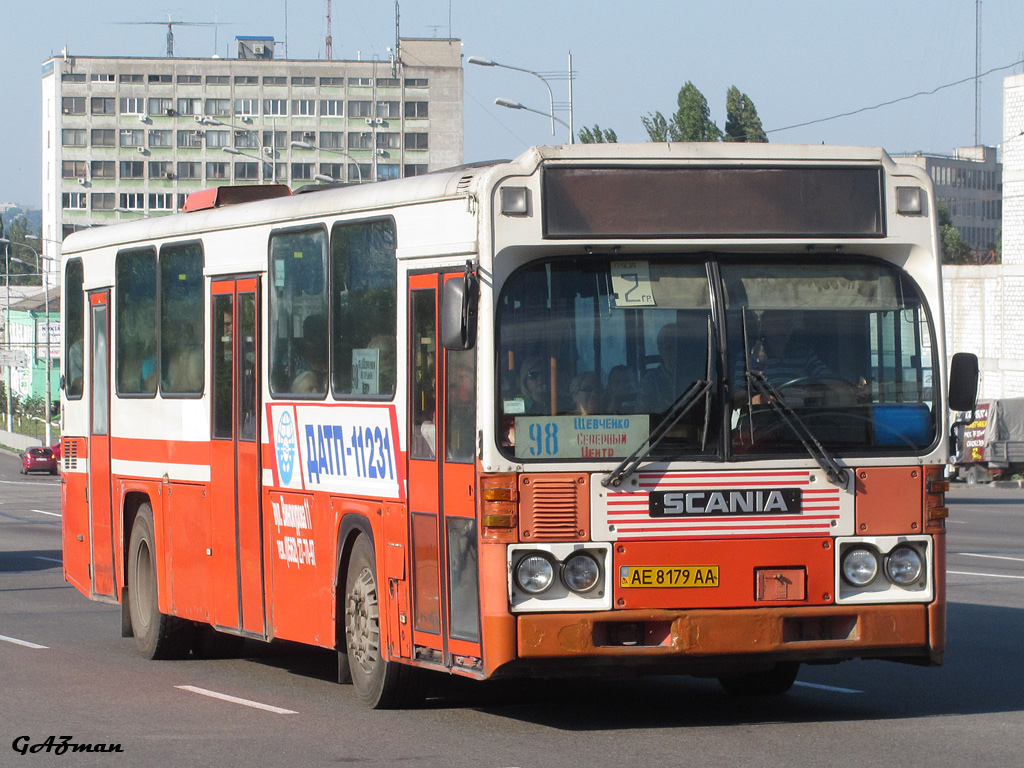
(38, 460)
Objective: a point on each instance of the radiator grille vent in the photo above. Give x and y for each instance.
(554, 507)
(69, 454)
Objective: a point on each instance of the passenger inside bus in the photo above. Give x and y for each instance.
(682, 353)
(621, 393)
(585, 390)
(312, 357)
(534, 386)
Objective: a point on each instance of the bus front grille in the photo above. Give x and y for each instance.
(554, 507)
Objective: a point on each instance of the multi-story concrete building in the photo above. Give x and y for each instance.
(124, 137)
(969, 184)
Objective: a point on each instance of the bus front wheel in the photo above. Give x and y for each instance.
(157, 635)
(380, 683)
(774, 681)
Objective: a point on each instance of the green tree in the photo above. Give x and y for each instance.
(597, 135)
(954, 249)
(741, 120)
(690, 122)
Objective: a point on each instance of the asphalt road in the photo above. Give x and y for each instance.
(65, 671)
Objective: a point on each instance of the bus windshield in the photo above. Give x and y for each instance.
(593, 354)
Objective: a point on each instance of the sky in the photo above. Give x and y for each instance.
(799, 62)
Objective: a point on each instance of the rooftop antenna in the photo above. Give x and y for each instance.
(398, 37)
(977, 73)
(170, 28)
(327, 42)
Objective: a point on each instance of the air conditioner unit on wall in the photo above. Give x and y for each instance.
(259, 49)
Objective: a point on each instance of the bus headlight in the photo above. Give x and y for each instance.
(534, 574)
(903, 566)
(580, 573)
(860, 566)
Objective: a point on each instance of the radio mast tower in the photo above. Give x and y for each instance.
(327, 42)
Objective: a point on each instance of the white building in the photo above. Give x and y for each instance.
(124, 137)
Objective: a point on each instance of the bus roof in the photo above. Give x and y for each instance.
(464, 180)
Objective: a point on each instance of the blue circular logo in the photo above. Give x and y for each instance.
(286, 447)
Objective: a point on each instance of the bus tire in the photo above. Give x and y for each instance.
(380, 683)
(157, 635)
(774, 681)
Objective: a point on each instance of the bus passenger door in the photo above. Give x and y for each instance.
(442, 391)
(237, 516)
(101, 513)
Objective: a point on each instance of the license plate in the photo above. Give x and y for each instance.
(653, 576)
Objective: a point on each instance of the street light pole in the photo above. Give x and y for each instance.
(7, 330)
(481, 61)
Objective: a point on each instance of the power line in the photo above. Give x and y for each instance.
(897, 101)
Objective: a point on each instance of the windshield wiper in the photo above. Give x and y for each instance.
(672, 416)
(835, 473)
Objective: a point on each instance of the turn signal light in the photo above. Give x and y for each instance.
(499, 497)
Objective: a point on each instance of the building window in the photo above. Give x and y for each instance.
(359, 172)
(360, 109)
(278, 139)
(388, 82)
(190, 106)
(217, 170)
(275, 80)
(302, 171)
(388, 109)
(309, 136)
(189, 170)
(133, 105)
(332, 140)
(246, 80)
(360, 141)
(190, 139)
(72, 105)
(75, 201)
(161, 201)
(161, 169)
(303, 81)
(161, 107)
(303, 107)
(132, 201)
(98, 78)
(72, 137)
(247, 140)
(72, 169)
(416, 108)
(414, 169)
(416, 82)
(332, 108)
(275, 106)
(102, 201)
(102, 169)
(129, 78)
(389, 140)
(103, 137)
(416, 140)
(360, 81)
(218, 107)
(73, 77)
(190, 79)
(102, 105)
(161, 138)
(132, 137)
(132, 169)
(247, 107)
(218, 139)
(218, 80)
(387, 171)
(159, 79)
(332, 82)
(247, 171)
(335, 170)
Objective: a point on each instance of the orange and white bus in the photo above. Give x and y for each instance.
(615, 409)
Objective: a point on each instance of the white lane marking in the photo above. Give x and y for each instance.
(48, 559)
(991, 557)
(44, 512)
(25, 643)
(236, 700)
(820, 687)
(985, 575)
(956, 522)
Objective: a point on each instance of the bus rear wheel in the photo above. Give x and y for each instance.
(157, 635)
(774, 681)
(379, 683)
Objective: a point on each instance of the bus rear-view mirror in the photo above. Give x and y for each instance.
(963, 381)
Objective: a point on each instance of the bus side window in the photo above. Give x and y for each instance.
(136, 318)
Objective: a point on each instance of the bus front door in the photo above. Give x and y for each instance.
(101, 513)
(237, 516)
(442, 518)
